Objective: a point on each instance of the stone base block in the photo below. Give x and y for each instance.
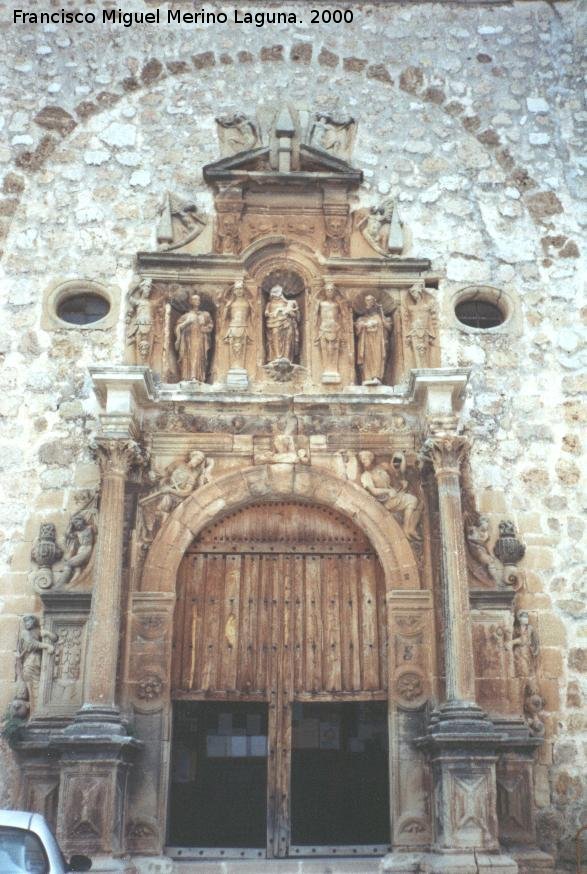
(449, 863)
(532, 861)
(237, 378)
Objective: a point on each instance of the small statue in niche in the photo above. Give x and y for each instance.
(45, 553)
(533, 709)
(236, 133)
(180, 222)
(192, 341)
(382, 228)
(484, 566)
(282, 317)
(334, 134)
(329, 332)
(79, 539)
(421, 323)
(236, 315)
(387, 483)
(525, 646)
(372, 330)
(140, 325)
(285, 445)
(33, 641)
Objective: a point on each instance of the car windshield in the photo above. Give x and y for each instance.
(21, 852)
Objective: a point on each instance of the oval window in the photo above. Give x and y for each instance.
(83, 308)
(481, 314)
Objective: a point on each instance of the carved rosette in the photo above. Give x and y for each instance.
(410, 687)
(117, 456)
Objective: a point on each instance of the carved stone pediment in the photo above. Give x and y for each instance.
(258, 161)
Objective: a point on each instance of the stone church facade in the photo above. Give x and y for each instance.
(291, 422)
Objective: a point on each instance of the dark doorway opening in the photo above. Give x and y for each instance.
(219, 775)
(339, 775)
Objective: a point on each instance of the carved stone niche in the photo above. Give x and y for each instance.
(66, 616)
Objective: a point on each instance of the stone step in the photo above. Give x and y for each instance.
(258, 866)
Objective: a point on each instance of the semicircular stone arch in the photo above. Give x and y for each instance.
(274, 482)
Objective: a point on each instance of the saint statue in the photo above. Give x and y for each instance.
(237, 316)
(525, 646)
(192, 341)
(32, 643)
(372, 330)
(421, 323)
(386, 482)
(140, 328)
(329, 325)
(282, 317)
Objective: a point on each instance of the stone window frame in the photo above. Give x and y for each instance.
(62, 289)
(506, 301)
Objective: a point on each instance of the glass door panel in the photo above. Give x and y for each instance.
(339, 776)
(219, 775)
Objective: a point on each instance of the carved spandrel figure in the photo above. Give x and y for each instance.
(192, 341)
(329, 329)
(282, 317)
(236, 133)
(525, 646)
(421, 323)
(237, 317)
(485, 566)
(179, 480)
(372, 330)
(387, 483)
(33, 641)
(140, 326)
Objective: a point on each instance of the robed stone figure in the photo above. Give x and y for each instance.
(282, 318)
(372, 330)
(192, 341)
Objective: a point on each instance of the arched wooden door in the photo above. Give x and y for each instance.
(280, 607)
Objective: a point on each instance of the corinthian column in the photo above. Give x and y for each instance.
(116, 456)
(447, 452)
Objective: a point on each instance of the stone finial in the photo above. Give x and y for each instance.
(45, 553)
(509, 550)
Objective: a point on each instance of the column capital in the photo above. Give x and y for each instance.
(116, 456)
(446, 452)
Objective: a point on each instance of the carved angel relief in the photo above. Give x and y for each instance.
(180, 222)
(381, 227)
(236, 133)
(333, 133)
(79, 544)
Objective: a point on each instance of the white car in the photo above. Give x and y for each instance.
(28, 846)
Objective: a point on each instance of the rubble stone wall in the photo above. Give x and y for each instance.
(469, 116)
